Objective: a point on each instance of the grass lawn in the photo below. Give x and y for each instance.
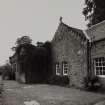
(16, 94)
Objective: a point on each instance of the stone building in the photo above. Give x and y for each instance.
(97, 50)
(69, 54)
(76, 54)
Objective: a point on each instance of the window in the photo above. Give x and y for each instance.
(100, 66)
(57, 66)
(65, 68)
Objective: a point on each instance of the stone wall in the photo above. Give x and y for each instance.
(69, 46)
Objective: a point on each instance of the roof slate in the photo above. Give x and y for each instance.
(96, 32)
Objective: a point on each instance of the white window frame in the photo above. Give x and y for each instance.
(57, 67)
(99, 64)
(65, 68)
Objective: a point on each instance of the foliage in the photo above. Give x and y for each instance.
(39, 44)
(92, 84)
(20, 41)
(1, 69)
(34, 62)
(7, 72)
(48, 47)
(59, 80)
(94, 11)
(23, 40)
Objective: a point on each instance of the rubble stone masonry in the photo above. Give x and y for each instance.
(70, 45)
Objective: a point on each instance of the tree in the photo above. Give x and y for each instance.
(48, 47)
(23, 40)
(7, 72)
(39, 44)
(20, 41)
(94, 11)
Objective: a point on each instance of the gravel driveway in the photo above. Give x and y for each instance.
(19, 94)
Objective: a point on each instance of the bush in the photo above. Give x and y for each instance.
(59, 80)
(92, 84)
(7, 73)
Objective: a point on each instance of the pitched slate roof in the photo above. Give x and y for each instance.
(96, 32)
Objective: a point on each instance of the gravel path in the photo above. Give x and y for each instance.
(21, 94)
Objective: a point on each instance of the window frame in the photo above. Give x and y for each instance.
(65, 67)
(57, 68)
(99, 66)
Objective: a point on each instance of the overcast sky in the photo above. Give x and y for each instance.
(37, 18)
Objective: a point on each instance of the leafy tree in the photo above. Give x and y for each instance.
(48, 47)
(7, 72)
(20, 41)
(39, 44)
(94, 11)
(23, 40)
(33, 62)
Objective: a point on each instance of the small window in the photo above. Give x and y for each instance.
(100, 66)
(65, 68)
(57, 67)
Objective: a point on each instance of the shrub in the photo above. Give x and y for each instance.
(92, 84)
(7, 73)
(59, 80)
